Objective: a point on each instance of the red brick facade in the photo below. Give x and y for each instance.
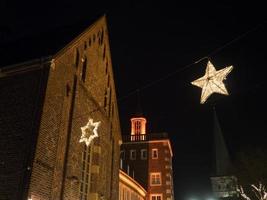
(149, 158)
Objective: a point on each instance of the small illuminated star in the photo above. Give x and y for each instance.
(212, 81)
(89, 132)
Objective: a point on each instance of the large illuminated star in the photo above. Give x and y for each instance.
(89, 132)
(212, 81)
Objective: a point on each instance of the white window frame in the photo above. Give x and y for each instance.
(156, 195)
(142, 152)
(155, 150)
(151, 178)
(131, 157)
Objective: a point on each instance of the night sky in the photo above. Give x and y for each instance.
(154, 47)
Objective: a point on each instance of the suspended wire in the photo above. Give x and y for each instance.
(179, 70)
(170, 74)
(237, 38)
(165, 77)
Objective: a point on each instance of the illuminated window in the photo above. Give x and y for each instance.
(132, 154)
(85, 178)
(143, 154)
(155, 178)
(155, 154)
(156, 197)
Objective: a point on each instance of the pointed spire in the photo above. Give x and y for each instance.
(139, 110)
(222, 159)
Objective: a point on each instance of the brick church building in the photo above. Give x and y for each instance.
(148, 158)
(45, 102)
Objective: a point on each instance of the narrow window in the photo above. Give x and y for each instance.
(84, 69)
(155, 154)
(132, 154)
(143, 154)
(138, 127)
(106, 66)
(67, 89)
(122, 154)
(94, 38)
(108, 81)
(104, 52)
(77, 58)
(102, 37)
(90, 42)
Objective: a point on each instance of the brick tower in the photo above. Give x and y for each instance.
(43, 105)
(148, 158)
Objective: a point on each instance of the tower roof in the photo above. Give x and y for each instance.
(138, 109)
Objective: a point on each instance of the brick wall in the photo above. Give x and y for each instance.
(22, 94)
(163, 165)
(143, 168)
(137, 166)
(74, 94)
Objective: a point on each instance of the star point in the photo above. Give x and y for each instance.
(212, 81)
(89, 131)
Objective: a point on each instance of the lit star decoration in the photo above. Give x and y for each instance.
(212, 81)
(89, 132)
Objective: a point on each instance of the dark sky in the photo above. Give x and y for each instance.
(150, 41)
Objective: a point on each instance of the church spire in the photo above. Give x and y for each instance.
(138, 110)
(223, 183)
(222, 159)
